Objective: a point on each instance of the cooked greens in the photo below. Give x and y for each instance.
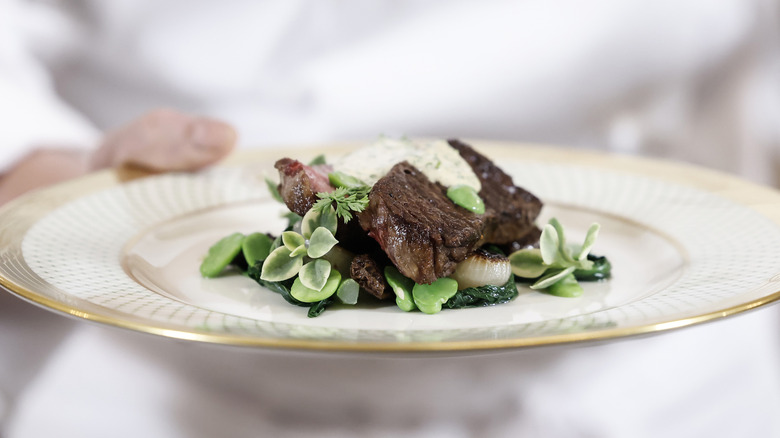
(430, 297)
(552, 266)
(487, 295)
(284, 288)
(221, 254)
(305, 265)
(314, 241)
(402, 287)
(601, 270)
(293, 265)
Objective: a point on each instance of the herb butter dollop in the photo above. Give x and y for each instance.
(434, 158)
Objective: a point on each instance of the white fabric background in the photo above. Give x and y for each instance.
(693, 80)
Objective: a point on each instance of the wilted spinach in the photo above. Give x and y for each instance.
(480, 296)
(283, 289)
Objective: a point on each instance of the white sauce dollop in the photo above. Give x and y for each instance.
(434, 158)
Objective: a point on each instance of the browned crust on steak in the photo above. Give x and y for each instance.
(423, 233)
(529, 240)
(510, 211)
(299, 184)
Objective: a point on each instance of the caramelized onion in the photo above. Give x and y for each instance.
(481, 268)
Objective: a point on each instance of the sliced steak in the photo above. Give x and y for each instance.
(299, 184)
(510, 211)
(529, 240)
(369, 275)
(422, 232)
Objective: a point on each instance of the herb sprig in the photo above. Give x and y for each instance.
(346, 200)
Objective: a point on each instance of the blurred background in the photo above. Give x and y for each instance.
(693, 80)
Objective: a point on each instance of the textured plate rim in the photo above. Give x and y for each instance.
(761, 199)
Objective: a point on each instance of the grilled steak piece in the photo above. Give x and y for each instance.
(529, 240)
(423, 233)
(299, 184)
(369, 275)
(510, 211)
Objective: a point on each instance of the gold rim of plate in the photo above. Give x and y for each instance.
(19, 215)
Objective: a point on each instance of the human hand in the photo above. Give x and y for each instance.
(166, 140)
(161, 140)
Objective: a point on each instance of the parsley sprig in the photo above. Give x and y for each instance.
(345, 200)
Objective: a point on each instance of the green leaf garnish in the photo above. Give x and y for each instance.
(564, 251)
(345, 199)
(314, 219)
(280, 266)
(315, 273)
(548, 245)
(321, 242)
(551, 277)
(319, 159)
(274, 190)
(590, 239)
(527, 263)
(308, 295)
(292, 219)
(555, 264)
(293, 240)
(299, 251)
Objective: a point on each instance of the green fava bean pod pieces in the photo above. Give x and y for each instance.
(348, 292)
(566, 287)
(221, 254)
(430, 297)
(308, 295)
(256, 248)
(341, 179)
(466, 197)
(402, 287)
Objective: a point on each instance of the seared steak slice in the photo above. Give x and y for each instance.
(422, 232)
(510, 211)
(352, 237)
(368, 274)
(529, 240)
(299, 184)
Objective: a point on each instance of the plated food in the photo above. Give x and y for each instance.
(688, 245)
(432, 223)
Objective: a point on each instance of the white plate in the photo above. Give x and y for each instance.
(128, 255)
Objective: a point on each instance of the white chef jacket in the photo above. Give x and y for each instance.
(688, 80)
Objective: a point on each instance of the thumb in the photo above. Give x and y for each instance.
(167, 140)
(212, 139)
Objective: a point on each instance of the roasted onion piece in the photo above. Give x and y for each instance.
(482, 267)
